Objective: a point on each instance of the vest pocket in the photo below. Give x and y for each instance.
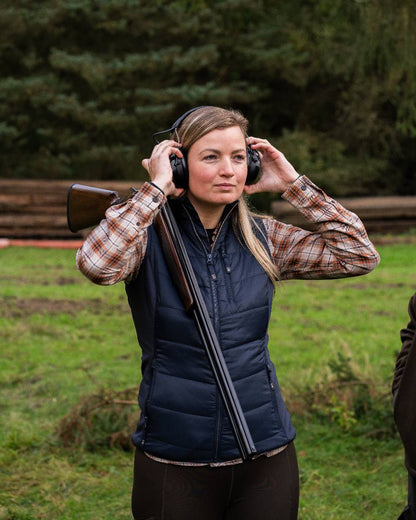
(181, 417)
(227, 275)
(273, 386)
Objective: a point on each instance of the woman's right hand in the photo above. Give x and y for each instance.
(159, 168)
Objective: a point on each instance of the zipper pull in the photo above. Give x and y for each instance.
(225, 258)
(210, 262)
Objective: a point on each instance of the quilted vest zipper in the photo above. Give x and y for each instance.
(213, 280)
(214, 294)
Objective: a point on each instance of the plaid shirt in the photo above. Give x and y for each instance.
(337, 247)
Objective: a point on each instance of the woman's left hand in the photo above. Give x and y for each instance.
(277, 172)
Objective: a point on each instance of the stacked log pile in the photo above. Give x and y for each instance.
(379, 214)
(37, 209)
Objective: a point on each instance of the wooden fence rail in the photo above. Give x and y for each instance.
(379, 214)
(37, 209)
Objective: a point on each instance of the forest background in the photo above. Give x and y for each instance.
(83, 86)
(85, 83)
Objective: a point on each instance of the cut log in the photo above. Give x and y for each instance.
(37, 209)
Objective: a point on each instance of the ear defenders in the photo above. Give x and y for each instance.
(180, 167)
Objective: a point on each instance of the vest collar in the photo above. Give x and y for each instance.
(188, 219)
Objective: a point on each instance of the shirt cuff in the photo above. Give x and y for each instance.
(150, 196)
(303, 193)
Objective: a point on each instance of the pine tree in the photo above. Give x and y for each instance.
(85, 83)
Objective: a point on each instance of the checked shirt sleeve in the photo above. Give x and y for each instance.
(114, 250)
(337, 247)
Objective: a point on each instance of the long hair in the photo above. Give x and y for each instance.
(196, 125)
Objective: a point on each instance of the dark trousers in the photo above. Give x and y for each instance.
(262, 489)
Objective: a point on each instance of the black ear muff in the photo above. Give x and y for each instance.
(253, 165)
(180, 171)
(180, 167)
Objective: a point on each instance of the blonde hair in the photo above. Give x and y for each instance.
(196, 125)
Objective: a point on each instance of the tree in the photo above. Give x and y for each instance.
(84, 84)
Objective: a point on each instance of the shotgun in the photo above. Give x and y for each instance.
(86, 207)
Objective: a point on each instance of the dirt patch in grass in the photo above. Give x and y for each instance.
(11, 307)
(60, 280)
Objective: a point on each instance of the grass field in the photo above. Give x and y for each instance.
(62, 339)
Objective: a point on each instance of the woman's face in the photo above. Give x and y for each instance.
(217, 165)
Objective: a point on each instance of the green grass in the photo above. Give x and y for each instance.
(63, 338)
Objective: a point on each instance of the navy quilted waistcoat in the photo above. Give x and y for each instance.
(183, 417)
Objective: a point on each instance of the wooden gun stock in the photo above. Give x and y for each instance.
(86, 205)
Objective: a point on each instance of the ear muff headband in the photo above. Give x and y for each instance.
(180, 167)
(177, 123)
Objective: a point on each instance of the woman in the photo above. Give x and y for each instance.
(187, 464)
